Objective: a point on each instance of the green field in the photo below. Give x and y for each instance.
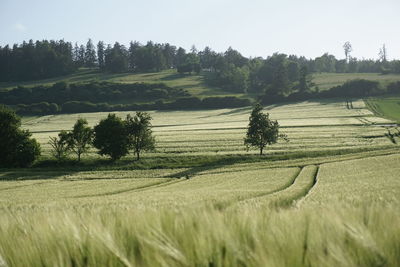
(388, 107)
(328, 197)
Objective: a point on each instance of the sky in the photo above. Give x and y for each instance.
(253, 27)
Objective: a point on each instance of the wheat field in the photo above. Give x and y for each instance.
(328, 197)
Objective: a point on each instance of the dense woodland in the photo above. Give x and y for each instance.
(278, 77)
(43, 59)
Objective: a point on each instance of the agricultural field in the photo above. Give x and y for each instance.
(387, 107)
(328, 197)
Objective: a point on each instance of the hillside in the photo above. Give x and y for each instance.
(194, 84)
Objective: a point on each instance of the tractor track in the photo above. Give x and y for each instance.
(135, 189)
(284, 187)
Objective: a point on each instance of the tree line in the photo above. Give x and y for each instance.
(112, 137)
(45, 59)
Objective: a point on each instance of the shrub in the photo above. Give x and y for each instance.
(17, 149)
(110, 137)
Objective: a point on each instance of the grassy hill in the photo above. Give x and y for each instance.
(194, 84)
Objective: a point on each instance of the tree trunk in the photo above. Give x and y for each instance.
(261, 151)
(79, 157)
(137, 155)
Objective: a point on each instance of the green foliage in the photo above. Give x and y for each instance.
(17, 149)
(80, 138)
(261, 131)
(111, 138)
(60, 146)
(138, 129)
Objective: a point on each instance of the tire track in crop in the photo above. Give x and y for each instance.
(225, 205)
(133, 189)
(289, 196)
(300, 200)
(291, 201)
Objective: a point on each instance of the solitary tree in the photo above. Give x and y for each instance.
(80, 138)
(110, 137)
(60, 146)
(17, 149)
(261, 131)
(347, 50)
(139, 133)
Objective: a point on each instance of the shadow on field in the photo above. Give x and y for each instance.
(29, 174)
(218, 163)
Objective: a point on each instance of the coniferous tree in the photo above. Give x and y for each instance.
(100, 54)
(90, 54)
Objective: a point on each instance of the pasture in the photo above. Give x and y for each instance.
(328, 197)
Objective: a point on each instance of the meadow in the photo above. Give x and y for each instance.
(328, 197)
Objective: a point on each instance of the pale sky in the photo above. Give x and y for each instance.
(253, 27)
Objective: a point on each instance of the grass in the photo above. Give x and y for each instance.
(387, 107)
(329, 197)
(333, 236)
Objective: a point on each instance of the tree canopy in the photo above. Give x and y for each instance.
(111, 138)
(17, 149)
(261, 131)
(139, 133)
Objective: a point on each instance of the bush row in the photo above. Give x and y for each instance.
(44, 108)
(94, 92)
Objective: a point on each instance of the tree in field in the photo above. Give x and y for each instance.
(17, 149)
(139, 133)
(80, 138)
(347, 50)
(60, 146)
(261, 131)
(111, 138)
